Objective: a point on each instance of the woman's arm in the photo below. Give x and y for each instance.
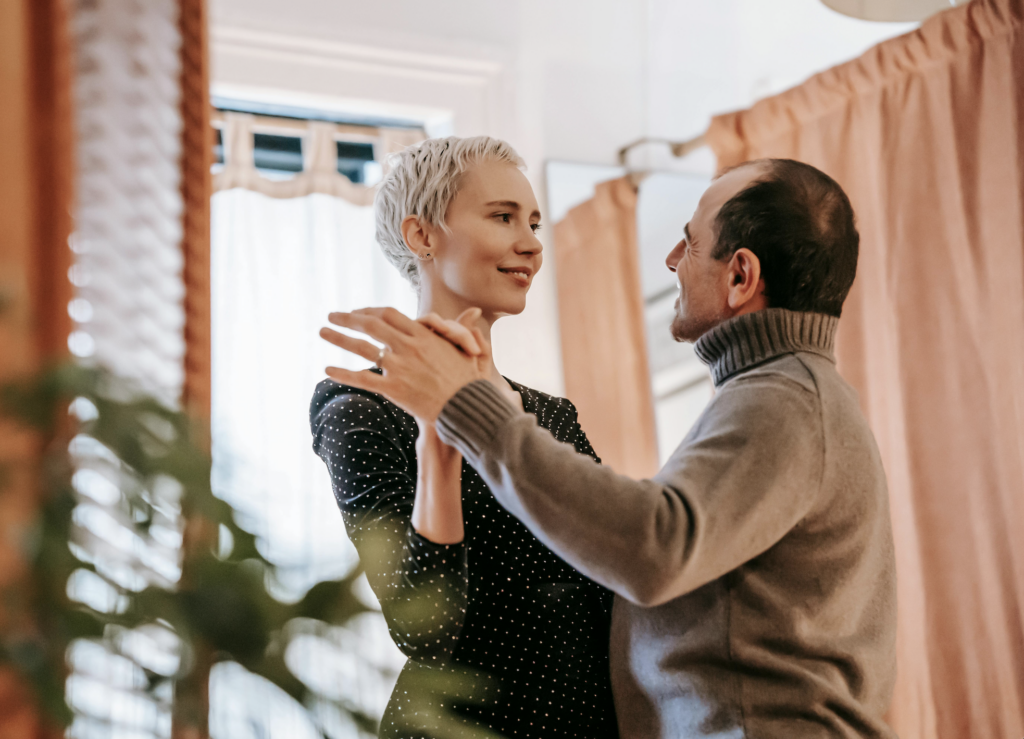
(437, 512)
(422, 585)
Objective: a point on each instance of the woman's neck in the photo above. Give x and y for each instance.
(450, 307)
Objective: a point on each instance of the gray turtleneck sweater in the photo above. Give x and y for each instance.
(755, 571)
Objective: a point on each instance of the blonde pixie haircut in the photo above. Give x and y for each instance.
(422, 180)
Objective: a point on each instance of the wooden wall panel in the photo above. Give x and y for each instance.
(196, 185)
(35, 222)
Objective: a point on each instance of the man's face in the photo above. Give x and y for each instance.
(703, 280)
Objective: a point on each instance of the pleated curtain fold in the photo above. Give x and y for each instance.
(924, 133)
(601, 319)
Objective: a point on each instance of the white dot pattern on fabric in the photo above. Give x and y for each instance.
(518, 636)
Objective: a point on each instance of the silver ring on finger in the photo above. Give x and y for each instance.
(380, 357)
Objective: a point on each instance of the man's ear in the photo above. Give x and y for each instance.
(417, 236)
(746, 287)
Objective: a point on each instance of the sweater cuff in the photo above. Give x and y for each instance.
(473, 417)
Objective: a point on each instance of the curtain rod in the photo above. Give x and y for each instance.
(678, 148)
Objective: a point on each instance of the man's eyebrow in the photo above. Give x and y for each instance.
(511, 205)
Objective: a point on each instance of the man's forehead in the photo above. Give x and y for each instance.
(726, 185)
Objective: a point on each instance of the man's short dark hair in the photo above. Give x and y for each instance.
(800, 224)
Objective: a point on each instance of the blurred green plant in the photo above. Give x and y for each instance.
(156, 475)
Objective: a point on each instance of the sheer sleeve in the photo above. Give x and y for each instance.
(422, 586)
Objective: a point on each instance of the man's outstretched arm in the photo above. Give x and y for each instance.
(723, 498)
(741, 480)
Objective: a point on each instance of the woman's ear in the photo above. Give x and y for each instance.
(746, 288)
(417, 237)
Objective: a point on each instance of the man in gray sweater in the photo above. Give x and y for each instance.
(755, 571)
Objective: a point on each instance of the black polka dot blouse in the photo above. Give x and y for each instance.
(504, 638)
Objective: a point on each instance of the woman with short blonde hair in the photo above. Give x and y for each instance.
(501, 634)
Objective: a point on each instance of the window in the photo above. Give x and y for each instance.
(680, 382)
(286, 250)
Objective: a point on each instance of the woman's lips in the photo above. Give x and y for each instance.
(522, 277)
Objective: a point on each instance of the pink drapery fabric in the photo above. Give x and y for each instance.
(601, 317)
(926, 134)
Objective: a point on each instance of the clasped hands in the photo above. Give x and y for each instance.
(425, 361)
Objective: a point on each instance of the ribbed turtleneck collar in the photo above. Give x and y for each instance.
(742, 342)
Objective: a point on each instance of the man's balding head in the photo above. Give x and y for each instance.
(772, 233)
(799, 223)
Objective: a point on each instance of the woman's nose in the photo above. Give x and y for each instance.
(529, 244)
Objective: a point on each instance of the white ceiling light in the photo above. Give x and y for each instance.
(891, 10)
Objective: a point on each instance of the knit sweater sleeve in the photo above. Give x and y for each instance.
(736, 486)
(422, 586)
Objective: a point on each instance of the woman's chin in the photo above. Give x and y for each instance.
(503, 308)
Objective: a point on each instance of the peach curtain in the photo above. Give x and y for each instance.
(601, 314)
(925, 133)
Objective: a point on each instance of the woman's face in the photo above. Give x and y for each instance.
(491, 253)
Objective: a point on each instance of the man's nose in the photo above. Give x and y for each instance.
(673, 256)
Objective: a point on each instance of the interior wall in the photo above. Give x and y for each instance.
(708, 58)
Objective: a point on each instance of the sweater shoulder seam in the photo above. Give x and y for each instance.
(821, 420)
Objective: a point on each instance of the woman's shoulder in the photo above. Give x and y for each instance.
(350, 405)
(557, 415)
(542, 399)
(553, 413)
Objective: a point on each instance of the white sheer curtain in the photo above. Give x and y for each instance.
(278, 267)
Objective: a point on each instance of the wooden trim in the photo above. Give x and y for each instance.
(192, 696)
(54, 163)
(196, 188)
(36, 158)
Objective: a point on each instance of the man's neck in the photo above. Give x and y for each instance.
(747, 340)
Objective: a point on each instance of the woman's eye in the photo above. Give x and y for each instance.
(535, 226)
(505, 217)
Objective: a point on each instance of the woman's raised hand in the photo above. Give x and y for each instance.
(462, 331)
(422, 368)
